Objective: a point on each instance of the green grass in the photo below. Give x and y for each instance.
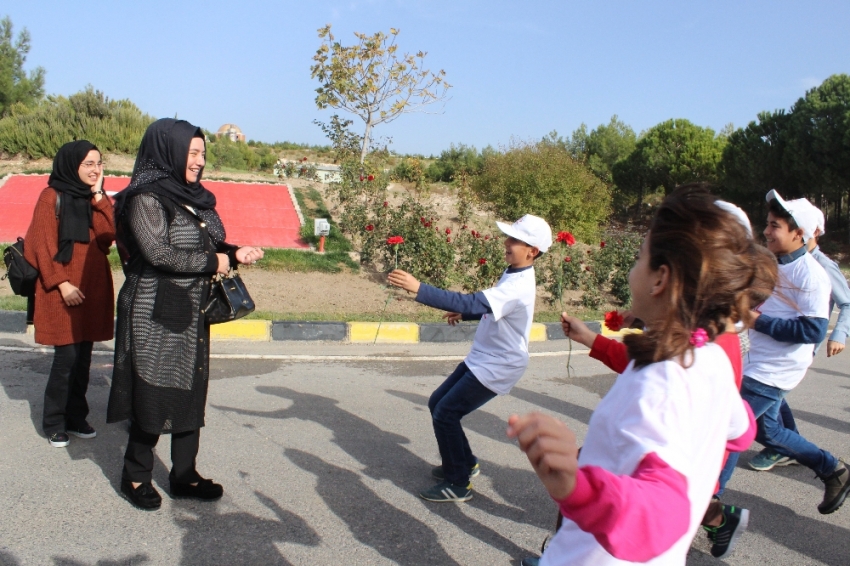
(13, 303)
(304, 261)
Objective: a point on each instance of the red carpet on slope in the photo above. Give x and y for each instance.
(253, 214)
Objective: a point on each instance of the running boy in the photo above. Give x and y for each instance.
(499, 353)
(782, 341)
(839, 297)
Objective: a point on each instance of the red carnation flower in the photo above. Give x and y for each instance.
(448, 230)
(601, 244)
(395, 240)
(613, 321)
(566, 238)
(370, 178)
(369, 227)
(482, 261)
(568, 259)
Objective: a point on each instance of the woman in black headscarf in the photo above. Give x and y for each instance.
(171, 241)
(68, 241)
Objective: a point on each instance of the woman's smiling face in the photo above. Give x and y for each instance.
(90, 168)
(196, 160)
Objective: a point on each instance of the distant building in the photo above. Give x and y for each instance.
(232, 131)
(328, 173)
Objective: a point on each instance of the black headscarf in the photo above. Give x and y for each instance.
(75, 204)
(161, 167)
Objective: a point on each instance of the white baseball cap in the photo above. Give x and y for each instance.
(821, 220)
(801, 210)
(739, 215)
(530, 229)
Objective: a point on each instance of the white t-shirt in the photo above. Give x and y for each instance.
(499, 353)
(684, 416)
(803, 289)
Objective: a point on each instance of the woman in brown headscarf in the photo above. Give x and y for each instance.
(68, 242)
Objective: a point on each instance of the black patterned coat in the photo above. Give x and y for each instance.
(161, 370)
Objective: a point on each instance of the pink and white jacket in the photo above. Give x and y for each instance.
(650, 461)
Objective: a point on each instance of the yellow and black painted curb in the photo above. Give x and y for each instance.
(354, 332)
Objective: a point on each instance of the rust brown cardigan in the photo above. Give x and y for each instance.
(57, 324)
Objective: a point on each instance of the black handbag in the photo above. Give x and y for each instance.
(229, 299)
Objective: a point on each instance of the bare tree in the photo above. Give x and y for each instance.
(372, 81)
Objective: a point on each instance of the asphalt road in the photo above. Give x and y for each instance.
(321, 462)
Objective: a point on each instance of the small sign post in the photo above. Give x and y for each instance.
(321, 228)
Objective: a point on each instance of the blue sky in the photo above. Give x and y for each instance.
(519, 69)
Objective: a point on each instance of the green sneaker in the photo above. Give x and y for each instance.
(437, 473)
(767, 459)
(445, 491)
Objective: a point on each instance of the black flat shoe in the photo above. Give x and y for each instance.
(206, 490)
(144, 497)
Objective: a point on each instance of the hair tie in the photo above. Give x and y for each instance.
(699, 338)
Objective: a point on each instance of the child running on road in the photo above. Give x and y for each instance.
(655, 443)
(782, 341)
(499, 353)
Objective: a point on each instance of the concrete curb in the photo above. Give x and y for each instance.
(13, 321)
(355, 332)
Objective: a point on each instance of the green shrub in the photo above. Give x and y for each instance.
(543, 179)
(114, 126)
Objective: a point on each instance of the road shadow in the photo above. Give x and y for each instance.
(819, 540)
(482, 422)
(127, 561)
(833, 373)
(395, 534)
(559, 406)
(830, 423)
(381, 454)
(213, 537)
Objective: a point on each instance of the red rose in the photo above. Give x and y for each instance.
(370, 178)
(427, 224)
(386, 204)
(601, 244)
(448, 230)
(613, 321)
(448, 240)
(486, 237)
(395, 240)
(568, 259)
(482, 261)
(566, 238)
(369, 228)
(422, 220)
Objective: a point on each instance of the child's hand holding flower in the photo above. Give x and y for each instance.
(403, 279)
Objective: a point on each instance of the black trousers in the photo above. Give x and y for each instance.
(65, 403)
(138, 459)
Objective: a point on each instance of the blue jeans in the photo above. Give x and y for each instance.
(460, 394)
(766, 401)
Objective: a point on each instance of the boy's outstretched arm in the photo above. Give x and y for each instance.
(471, 306)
